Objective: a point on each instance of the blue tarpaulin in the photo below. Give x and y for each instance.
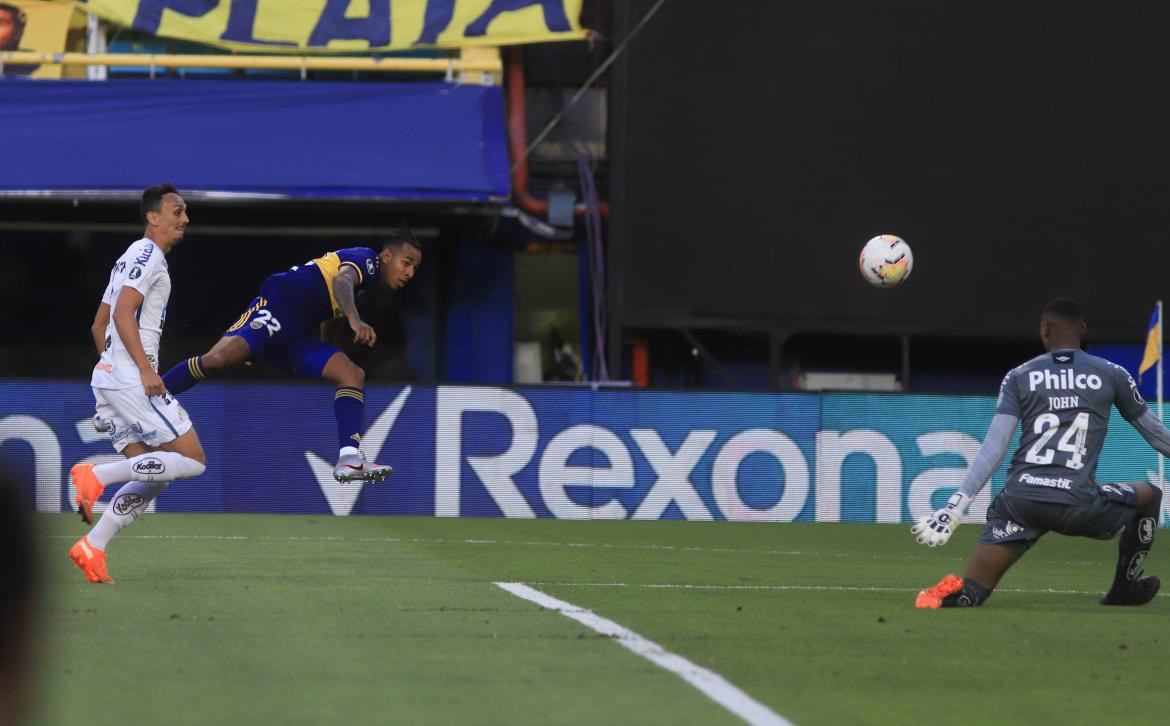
(409, 141)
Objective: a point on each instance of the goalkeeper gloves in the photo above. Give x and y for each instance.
(933, 530)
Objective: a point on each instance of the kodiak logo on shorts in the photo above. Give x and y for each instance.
(126, 503)
(256, 324)
(149, 466)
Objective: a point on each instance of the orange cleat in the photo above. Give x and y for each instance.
(90, 560)
(88, 490)
(933, 597)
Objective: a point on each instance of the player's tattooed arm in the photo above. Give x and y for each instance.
(343, 290)
(101, 319)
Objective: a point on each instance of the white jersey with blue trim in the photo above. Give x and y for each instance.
(143, 267)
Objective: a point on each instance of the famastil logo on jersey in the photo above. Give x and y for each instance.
(1053, 482)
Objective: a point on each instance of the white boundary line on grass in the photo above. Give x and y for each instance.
(710, 684)
(958, 556)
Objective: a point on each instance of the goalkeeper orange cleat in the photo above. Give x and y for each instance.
(933, 597)
(90, 560)
(88, 490)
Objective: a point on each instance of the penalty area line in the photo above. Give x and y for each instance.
(710, 684)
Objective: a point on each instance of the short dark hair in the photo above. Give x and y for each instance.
(152, 198)
(1063, 309)
(401, 236)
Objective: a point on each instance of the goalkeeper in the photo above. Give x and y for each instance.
(1062, 401)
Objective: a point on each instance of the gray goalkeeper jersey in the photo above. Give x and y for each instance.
(1063, 400)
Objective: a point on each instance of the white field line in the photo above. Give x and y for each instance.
(931, 555)
(827, 588)
(710, 684)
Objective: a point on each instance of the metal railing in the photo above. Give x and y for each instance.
(449, 67)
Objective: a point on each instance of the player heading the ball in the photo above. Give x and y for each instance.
(282, 325)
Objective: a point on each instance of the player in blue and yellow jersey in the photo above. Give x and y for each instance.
(283, 324)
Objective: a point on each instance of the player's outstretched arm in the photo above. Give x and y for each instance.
(1153, 431)
(101, 320)
(343, 290)
(933, 530)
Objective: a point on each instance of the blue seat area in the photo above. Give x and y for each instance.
(136, 46)
(163, 46)
(181, 47)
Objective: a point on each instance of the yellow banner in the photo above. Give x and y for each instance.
(347, 25)
(37, 26)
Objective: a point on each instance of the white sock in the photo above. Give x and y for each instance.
(124, 508)
(151, 466)
(346, 450)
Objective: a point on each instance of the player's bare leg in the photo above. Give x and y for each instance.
(1129, 587)
(230, 350)
(348, 403)
(987, 565)
(187, 445)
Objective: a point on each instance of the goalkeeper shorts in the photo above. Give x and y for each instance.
(1016, 520)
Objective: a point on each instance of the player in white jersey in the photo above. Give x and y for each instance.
(1062, 401)
(145, 424)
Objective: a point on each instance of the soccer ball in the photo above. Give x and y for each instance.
(886, 261)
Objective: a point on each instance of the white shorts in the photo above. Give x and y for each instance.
(137, 419)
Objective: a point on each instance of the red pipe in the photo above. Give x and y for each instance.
(518, 141)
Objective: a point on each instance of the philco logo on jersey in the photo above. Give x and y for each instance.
(1065, 379)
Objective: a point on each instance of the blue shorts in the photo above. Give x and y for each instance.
(277, 337)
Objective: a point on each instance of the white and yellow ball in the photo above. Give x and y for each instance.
(886, 261)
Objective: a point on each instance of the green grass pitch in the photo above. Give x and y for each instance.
(233, 619)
